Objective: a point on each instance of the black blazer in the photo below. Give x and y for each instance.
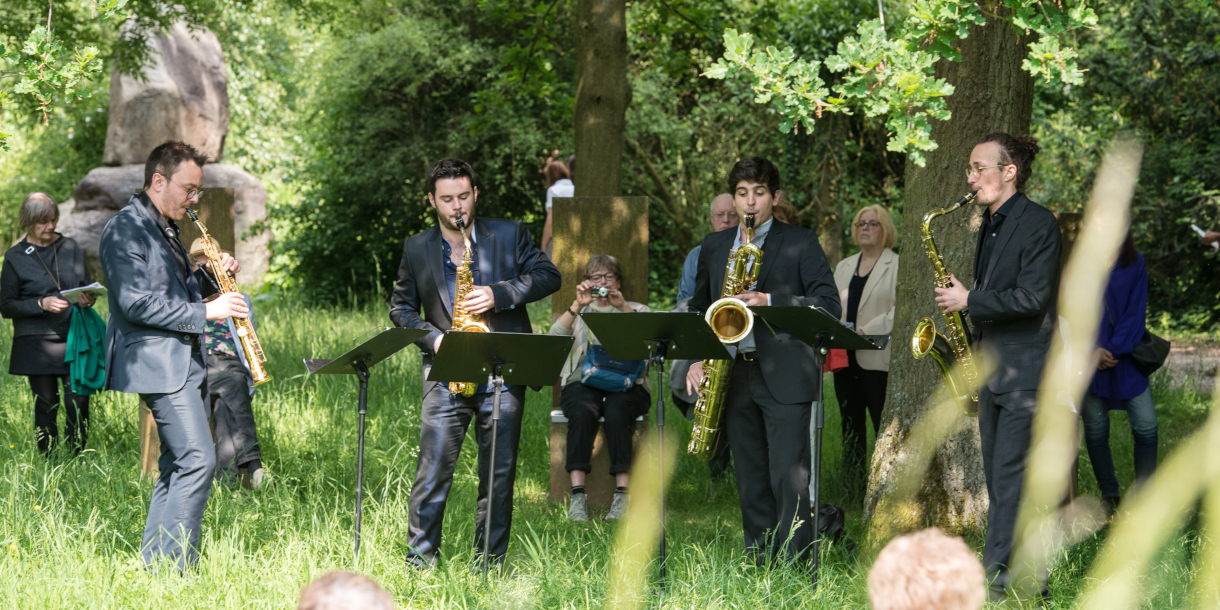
(794, 272)
(517, 271)
(1012, 307)
(24, 280)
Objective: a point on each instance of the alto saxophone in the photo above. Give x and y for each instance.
(732, 322)
(462, 321)
(954, 348)
(246, 336)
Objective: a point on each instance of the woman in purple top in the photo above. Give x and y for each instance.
(1118, 384)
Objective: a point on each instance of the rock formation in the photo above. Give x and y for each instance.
(182, 95)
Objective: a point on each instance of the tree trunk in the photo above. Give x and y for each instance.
(829, 222)
(602, 94)
(992, 94)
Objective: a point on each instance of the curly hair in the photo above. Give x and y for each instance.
(926, 570)
(1015, 150)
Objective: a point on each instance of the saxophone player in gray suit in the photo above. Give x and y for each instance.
(157, 316)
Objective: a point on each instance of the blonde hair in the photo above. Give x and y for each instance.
(889, 234)
(926, 571)
(784, 211)
(340, 590)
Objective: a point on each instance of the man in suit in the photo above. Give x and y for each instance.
(1012, 311)
(772, 387)
(157, 316)
(509, 271)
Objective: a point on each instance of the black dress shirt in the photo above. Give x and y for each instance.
(169, 230)
(990, 228)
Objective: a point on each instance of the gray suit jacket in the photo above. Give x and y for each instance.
(153, 309)
(1012, 306)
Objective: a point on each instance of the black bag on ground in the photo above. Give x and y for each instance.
(831, 519)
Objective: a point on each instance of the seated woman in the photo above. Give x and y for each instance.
(594, 386)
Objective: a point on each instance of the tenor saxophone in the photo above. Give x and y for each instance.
(246, 336)
(732, 321)
(462, 321)
(946, 350)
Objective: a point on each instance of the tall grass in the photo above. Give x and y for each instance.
(70, 527)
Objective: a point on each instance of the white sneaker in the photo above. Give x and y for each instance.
(257, 479)
(618, 507)
(579, 510)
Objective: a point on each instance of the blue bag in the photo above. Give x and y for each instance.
(605, 373)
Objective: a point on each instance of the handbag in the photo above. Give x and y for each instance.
(836, 360)
(601, 371)
(1150, 353)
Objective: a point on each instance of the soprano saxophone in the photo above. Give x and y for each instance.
(462, 321)
(246, 336)
(732, 322)
(955, 347)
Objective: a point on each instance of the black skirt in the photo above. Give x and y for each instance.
(38, 355)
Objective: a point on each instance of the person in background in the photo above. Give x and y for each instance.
(785, 212)
(723, 216)
(341, 590)
(1211, 237)
(36, 269)
(231, 389)
(611, 394)
(926, 570)
(558, 184)
(1118, 382)
(868, 289)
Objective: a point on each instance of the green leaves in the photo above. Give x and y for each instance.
(893, 77)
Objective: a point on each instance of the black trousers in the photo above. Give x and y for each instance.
(232, 416)
(583, 405)
(861, 394)
(770, 445)
(46, 412)
(1005, 423)
(445, 418)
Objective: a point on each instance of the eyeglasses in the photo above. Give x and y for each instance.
(973, 172)
(190, 193)
(872, 224)
(607, 277)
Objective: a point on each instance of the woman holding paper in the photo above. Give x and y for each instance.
(36, 270)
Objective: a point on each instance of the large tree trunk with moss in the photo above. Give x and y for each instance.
(602, 94)
(992, 94)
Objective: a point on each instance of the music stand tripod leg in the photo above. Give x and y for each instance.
(819, 422)
(362, 373)
(498, 383)
(657, 356)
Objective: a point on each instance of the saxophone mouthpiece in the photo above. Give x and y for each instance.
(460, 221)
(194, 216)
(749, 221)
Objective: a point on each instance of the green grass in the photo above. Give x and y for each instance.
(70, 528)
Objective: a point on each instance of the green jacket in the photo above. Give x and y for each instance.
(86, 352)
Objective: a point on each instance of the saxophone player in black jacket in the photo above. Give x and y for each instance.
(509, 271)
(1012, 313)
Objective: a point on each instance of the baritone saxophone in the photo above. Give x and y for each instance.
(462, 321)
(732, 321)
(954, 347)
(246, 337)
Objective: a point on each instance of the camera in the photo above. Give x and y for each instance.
(599, 292)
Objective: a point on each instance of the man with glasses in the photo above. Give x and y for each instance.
(1012, 311)
(509, 271)
(157, 316)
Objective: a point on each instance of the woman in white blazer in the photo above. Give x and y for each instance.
(867, 283)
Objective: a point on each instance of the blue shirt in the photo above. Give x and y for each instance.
(746, 345)
(686, 286)
(1122, 328)
(451, 270)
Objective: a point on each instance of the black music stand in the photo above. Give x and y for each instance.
(823, 332)
(357, 361)
(497, 359)
(656, 337)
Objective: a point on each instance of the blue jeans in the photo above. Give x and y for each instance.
(1142, 415)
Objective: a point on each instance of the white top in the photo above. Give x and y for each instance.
(562, 188)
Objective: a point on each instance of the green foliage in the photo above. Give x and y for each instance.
(1152, 72)
(895, 77)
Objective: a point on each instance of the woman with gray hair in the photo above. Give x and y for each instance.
(36, 270)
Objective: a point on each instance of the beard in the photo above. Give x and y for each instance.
(450, 222)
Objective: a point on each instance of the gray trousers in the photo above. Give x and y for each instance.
(232, 416)
(175, 515)
(1005, 423)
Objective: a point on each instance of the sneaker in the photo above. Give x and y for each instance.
(258, 478)
(579, 510)
(618, 507)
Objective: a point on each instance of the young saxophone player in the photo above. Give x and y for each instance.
(771, 387)
(506, 271)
